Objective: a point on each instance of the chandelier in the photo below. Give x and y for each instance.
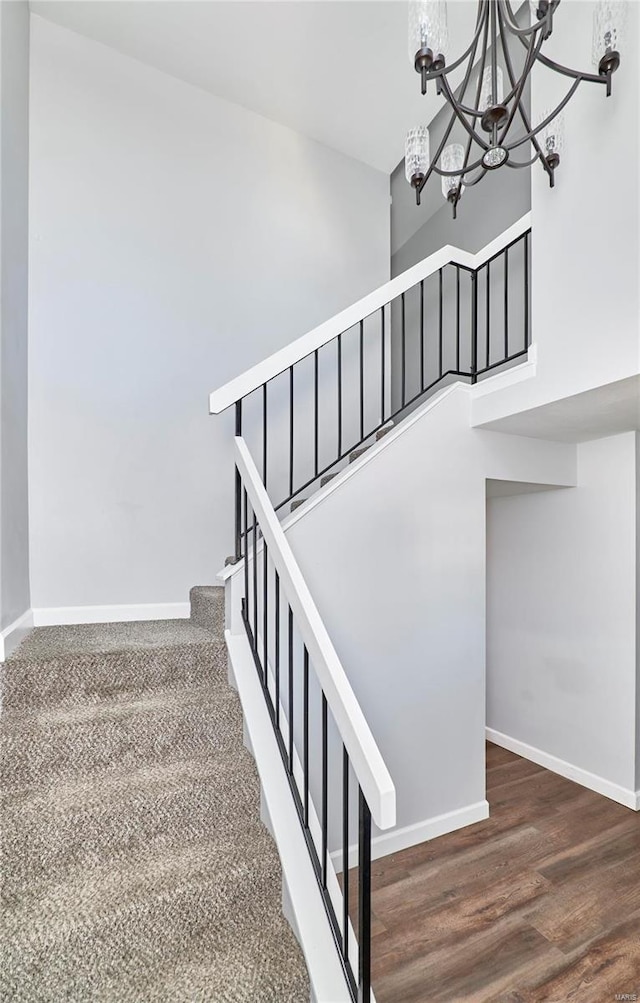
(489, 110)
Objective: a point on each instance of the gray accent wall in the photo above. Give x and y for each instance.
(14, 175)
(484, 212)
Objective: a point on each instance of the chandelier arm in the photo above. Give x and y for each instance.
(494, 63)
(512, 24)
(464, 85)
(526, 163)
(504, 27)
(474, 112)
(566, 71)
(465, 165)
(522, 110)
(481, 174)
(457, 170)
(482, 17)
(545, 122)
(469, 128)
(534, 46)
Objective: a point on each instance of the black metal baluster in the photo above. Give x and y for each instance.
(290, 639)
(339, 395)
(246, 555)
(422, 334)
(276, 658)
(265, 610)
(440, 320)
(264, 435)
(325, 790)
(488, 313)
(238, 489)
(382, 367)
(364, 901)
(526, 290)
(457, 318)
(361, 380)
(474, 327)
(506, 303)
(345, 853)
(305, 736)
(315, 412)
(290, 431)
(404, 352)
(255, 583)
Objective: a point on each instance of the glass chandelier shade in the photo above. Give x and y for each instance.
(416, 154)
(489, 107)
(552, 136)
(487, 98)
(428, 27)
(609, 26)
(452, 160)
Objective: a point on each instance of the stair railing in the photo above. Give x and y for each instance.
(321, 731)
(308, 406)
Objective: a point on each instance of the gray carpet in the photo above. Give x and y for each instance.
(135, 867)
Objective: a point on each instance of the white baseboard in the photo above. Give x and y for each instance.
(419, 832)
(11, 636)
(49, 616)
(624, 796)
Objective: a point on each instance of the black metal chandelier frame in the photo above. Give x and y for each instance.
(495, 23)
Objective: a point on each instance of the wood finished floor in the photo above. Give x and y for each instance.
(539, 904)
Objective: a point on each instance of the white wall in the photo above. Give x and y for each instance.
(395, 559)
(176, 239)
(638, 611)
(561, 617)
(585, 239)
(14, 155)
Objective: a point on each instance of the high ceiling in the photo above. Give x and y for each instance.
(336, 70)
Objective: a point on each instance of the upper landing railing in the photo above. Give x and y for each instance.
(307, 406)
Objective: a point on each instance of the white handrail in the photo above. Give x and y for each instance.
(368, 764)
(277, 363)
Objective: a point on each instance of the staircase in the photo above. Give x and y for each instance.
(135, 864)
(301, 415)
(353, 456)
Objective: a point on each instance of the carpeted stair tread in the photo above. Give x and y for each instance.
(105, 638)
(118, 736)
(380, 434)
(79, 896)
(116, 818)
(36, 682)
(328, 477)
(135, 864)
(207, 608)
(140, 935)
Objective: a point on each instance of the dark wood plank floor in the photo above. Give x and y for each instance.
(539, 904)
